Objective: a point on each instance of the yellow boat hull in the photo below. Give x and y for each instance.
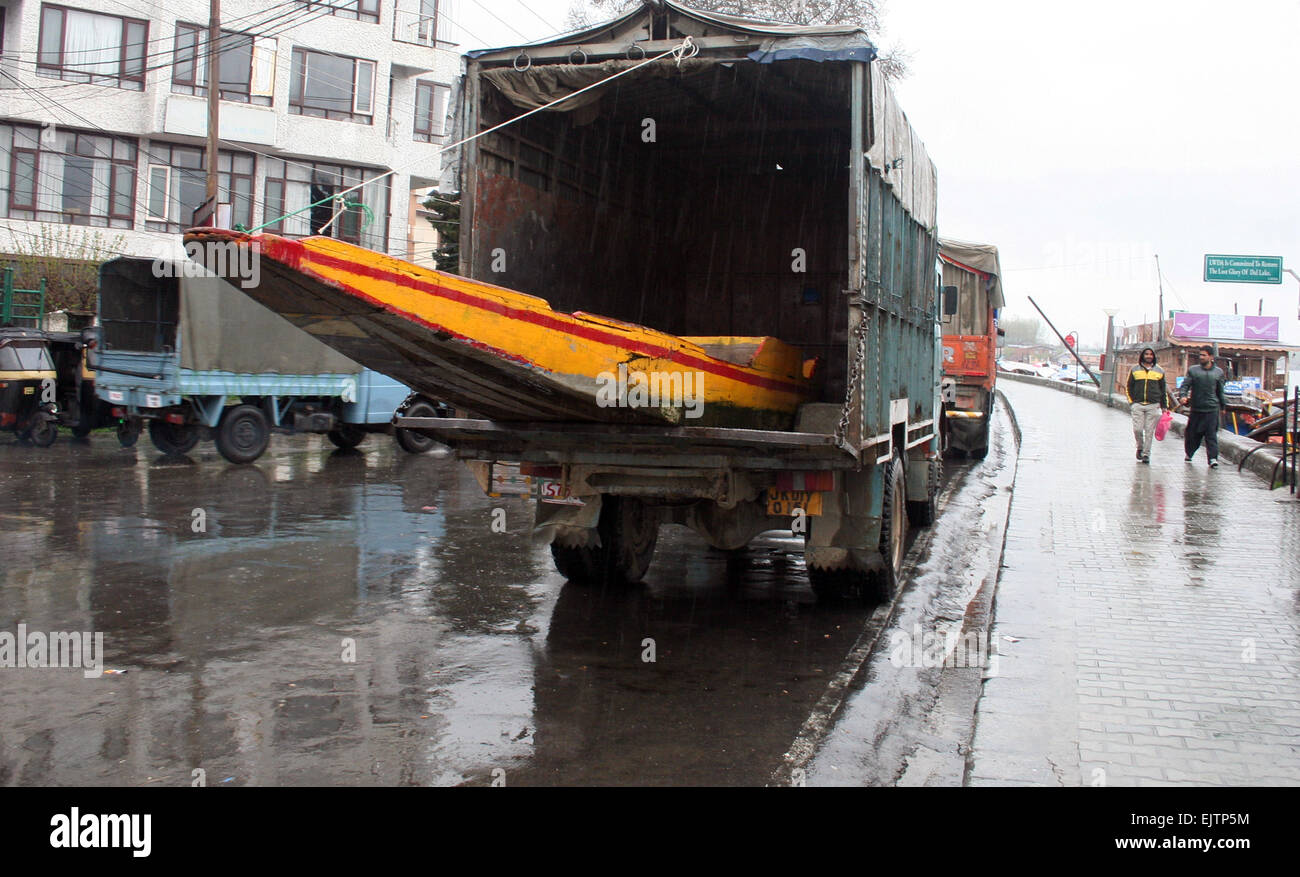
(506, 355)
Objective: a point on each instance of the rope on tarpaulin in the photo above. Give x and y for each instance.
(686, 50)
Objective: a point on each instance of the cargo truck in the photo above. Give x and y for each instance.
(749, 208)
(972, 280)
(183, 355)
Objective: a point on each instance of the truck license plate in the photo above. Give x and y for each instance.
(553, 492)
(784, 502)
(152, 401)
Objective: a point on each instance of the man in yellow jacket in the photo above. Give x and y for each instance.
(1147, 395)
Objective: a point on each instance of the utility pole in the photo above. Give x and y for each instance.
(214, 105)
(1160, 315)
(1110, 350)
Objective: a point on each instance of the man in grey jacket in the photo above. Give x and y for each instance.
(1203, 387)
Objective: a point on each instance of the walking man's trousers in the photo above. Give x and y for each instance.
(1202, 425)
(1145, 417)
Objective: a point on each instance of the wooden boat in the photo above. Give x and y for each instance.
(505, 355)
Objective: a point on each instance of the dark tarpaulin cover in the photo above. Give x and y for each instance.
(983, 257)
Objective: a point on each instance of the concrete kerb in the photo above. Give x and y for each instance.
(1233, 448)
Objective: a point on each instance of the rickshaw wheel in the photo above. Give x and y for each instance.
(347, 436)
(43, 434)
(172, 439)
(128, 433)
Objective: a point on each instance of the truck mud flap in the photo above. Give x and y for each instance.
(570, 526)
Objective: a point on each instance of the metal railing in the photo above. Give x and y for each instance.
(411, 26)
(22, 307)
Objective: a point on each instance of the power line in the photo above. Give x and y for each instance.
(484, 7)
(277, 25)
(278, 29)
(679, 52)
(1076, 265)
(293, 10)
(281, 22)
(538, 17)
(41, 97)
(1172, 288)
(155, 159)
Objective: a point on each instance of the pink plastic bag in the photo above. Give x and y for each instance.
(1162, 426)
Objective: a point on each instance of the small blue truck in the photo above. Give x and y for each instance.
(183, 354)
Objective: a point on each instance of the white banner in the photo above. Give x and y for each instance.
(1227, 326)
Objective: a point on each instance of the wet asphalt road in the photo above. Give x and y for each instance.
(474, 660)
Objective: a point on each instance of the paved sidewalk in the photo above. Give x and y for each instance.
(1147, 617)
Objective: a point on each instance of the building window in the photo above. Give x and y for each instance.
(90, 47)
(56, 175)
(246, 68)
(361, 10)
(178, 185)
(430, 110)
(294, 185)
(332, 87)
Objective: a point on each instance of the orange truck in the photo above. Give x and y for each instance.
(972, 281)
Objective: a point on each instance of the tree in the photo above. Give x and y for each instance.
(446, 220)
(67, 257)
(865, 13)
(1024, 330)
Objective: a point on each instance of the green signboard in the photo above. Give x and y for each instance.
(1243, 269)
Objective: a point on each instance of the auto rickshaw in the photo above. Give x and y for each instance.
(28, 386)
(79, 408)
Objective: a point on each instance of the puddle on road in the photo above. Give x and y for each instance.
(471, 654)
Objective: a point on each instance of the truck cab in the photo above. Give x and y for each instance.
(973, 296)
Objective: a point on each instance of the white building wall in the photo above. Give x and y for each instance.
(156, 115)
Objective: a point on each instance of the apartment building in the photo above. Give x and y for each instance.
(103, 117)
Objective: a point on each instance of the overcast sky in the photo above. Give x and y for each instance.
(1085, 138)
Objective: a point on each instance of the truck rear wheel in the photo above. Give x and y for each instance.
(893, 532)
(628, 533)
(980, 446)
(243, 433)
(173, 439)
(878, 586)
